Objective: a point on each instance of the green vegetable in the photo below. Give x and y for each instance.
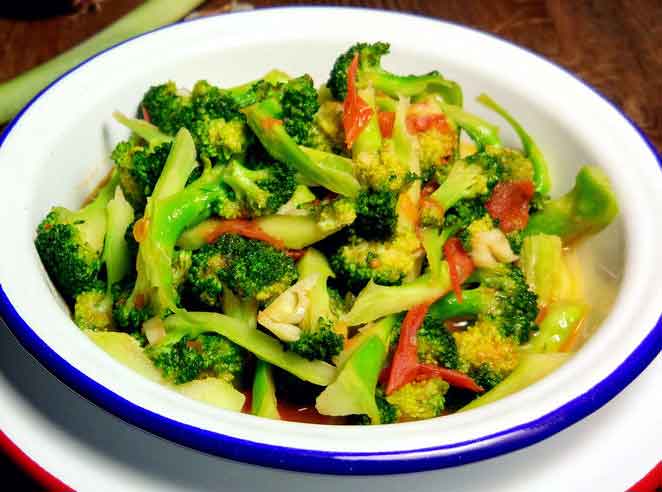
(561, 320)
(376, 301)
(532, 368)
(371, 72)
(264, 392)
(540, 170)
(586, 209)
(353, 391)
(70, 244)
(541, 260)
(259, 343)
(155, 13)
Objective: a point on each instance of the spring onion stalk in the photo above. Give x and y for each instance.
(15, 93)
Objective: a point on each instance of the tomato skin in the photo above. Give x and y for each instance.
(460, 264)
(386, 121)
(453, 378)
(509, 204)
(356, 112)
(405, 359)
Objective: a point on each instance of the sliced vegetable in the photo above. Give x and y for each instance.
(356, 112)
(460, 265)
(561, 322)
(263, 403)
(509, 204)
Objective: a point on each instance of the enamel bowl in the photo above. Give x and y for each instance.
(57, 149)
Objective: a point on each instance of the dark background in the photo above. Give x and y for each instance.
(614, 45)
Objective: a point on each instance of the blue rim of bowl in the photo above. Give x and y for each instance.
(315, 461)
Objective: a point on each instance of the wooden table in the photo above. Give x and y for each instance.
(614, 45)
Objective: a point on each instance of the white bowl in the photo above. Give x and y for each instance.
(58, 147)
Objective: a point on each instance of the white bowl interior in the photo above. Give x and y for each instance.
(59, 149)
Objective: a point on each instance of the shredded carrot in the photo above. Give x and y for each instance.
(140, 229)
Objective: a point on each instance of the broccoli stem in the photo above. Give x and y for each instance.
(296, 231)
(541, 260)
(353, 391)
(587, 208)
(259, 343)
(116, 256)
(449, 307)
(91, 220)
(484, 134)
(178, 167)
(264, 119)
(376, 301)
(264, 402)
(15, 93)
(561, 320)
(314, 263)
(413, 85)
(242, 309)
(148, 132)
(541, 177)
(532, 368)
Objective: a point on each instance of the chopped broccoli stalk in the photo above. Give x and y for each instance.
(187, 358)
(376, 301)
(242, 309)
(264, 402)
(369, 141)
(263, 190)
(300, 199)
(370, 72)
(433, 241)
(540, 170)
(93, 309)
(586, 209)
(486, 354)
(560, 322)
(264, 118)
(259, 343)
(532, 368)
(248, 267)
(502, 297)
(419, 399)
(70, 243)
(541, 260)
(353, 391)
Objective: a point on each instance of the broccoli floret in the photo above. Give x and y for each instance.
(299, 102)
(386, 263)
(70, 243)
(139, 169)
(419, 399)
(328, 133)
(318, 343)
(382, 170)
(167, 107)
(469, 232)
(370, 72)
(93, 309)
(502, 297)
(262, 190)
(248, 267)
(218, 128)
(436, 344)
(206, 355)
(486, 354)
(376, 216)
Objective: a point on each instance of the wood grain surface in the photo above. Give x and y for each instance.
(614, 45)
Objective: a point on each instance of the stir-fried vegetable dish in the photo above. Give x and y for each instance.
(363, 252)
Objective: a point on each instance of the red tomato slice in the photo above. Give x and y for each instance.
(509, 204)
(404, 366)
(386, 122)
(460, 264)
(356, 112)
(417, 123)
